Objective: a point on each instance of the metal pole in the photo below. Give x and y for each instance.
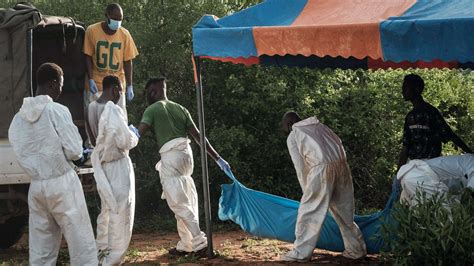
(205, 178)
(29, 59)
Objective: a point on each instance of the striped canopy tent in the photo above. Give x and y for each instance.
(344, 34)
(347, 34)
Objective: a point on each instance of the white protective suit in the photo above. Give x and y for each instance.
(326, 181)
(45, 141)
(115, 178)
(176, 168)
(438, 175)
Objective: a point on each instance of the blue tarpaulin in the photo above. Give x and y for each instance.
(270, 216)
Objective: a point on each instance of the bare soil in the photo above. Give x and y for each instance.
(231, 247)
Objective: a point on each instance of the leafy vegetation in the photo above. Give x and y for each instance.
(432, 233)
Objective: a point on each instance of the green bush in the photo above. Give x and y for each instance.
(431, 233)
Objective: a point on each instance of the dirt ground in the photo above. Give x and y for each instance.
(234, 247)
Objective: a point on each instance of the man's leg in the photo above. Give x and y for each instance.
(70, 212)
(121, 176)
(185, 236)
(102, 227)
(44, 234)
(120, 233)
(182, 199)
(199, 241)
(311, 214)
(342, 209)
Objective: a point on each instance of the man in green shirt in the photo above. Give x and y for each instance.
(172, 124)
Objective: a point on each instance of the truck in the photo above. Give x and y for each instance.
(27, 40)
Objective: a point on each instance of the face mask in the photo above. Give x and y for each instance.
(114, 24)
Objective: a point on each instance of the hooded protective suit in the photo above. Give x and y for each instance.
(115, 178)
(438, 175)
(45, 142)
(326, 181)
(176, 168)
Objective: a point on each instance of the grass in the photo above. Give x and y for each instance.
(227, 251)
(13, 263)
(186, 259)
(133, 253)
(262, 247)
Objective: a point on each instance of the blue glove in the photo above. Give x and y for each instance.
(223, 165)
(92, 86)
(130, 93)
(87, 151)
(134, 130)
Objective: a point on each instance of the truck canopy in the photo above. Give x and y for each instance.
(14, 83)
(29, 39)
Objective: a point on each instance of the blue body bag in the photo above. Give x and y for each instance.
(270, 216)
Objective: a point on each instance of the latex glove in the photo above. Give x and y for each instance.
(134, 130)
(88, 151)
(92, 86)
(129, 92)
(223, 165)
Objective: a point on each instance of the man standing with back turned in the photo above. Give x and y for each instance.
(46, 141)
(113, 172)
(109, 50)
(326, 181)
(172, 124)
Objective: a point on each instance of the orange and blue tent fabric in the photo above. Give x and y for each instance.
(342, 34)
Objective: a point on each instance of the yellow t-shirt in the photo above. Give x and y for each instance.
(108, 52)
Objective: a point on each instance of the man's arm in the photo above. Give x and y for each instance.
(71, 141)
(124, 138)
(142, 128)
(403, 157)
(128, 69)
(294, 144)
(458, 141)
(88, 127)
(406, 142)
(89, 64)
(194, 132)
(447, 133)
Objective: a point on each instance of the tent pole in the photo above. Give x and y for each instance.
(29, 59)
(202, 130)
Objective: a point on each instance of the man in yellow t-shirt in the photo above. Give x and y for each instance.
(109, 50)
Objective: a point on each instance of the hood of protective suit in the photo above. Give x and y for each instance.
(33, 107)
(308, 121)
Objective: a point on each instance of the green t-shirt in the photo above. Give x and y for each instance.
(168, 119)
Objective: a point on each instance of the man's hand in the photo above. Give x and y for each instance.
(129, 92)
(134, 130)
(87, 152)
(92, 86)
(223, 165)
(79, 162)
